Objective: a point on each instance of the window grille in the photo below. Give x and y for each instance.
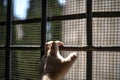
(89, 27)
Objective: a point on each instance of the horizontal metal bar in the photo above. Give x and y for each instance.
(35, 20)
(54, 18)
(90, 48)
(21, 47)
(65, 48)
(106, 14)
(83, 15)
(65, 17)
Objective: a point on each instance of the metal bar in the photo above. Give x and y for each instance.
(106, 14)
(90, 48)
(66, 17)
(83, 15)
(89, 22)
(43, 25)
(89, 65)
(65, 48)
(8, 40)
(89, 39)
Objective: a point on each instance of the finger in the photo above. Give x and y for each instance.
(59, 43)
(48, 46)
(55, 47)
(71, 58)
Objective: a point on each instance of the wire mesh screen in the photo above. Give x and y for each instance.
(4, 10)
(26, 34)
(74, 32)
(105, 34)
(54, 8)
(78, 70)
(2, 65)
(2, 35)
(66, 7)
(74, 7)
(106, 31)
(54, 30)
(106, 65)
(67, 21)
(105, 5)
(28, 9)
(2, 18)
(25, 64)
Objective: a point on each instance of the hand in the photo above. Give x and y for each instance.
(53, 66)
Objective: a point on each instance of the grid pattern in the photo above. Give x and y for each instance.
(54, 8)
(106, 31)
(105, 5)
(106, 65)
(78, 70)
(25, 64)
(72, 31)
(54, 30)
(2, 35)
(74, 7)
(2, 65)
(26, 34)
(3, 12)
(74, 36)
(29, 9)
(58, 7)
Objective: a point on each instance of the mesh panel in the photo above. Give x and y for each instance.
(3, 10)
(106, 65)
(54, 30)
(74, 7)
(25, 65)
(78, 70)
(106, 31)
(66, 7)
(106, 5)
(26, 34)
(2, 35)
(54, 8)
(2, 65)
(26, 9)
(74, 32)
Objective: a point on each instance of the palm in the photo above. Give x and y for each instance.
(53, 64)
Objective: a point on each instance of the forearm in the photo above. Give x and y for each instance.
(47, 77)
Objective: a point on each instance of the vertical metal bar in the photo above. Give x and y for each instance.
(89, 66)
(43, 25)
(8, 40)
(89, 39)
(89, 22)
